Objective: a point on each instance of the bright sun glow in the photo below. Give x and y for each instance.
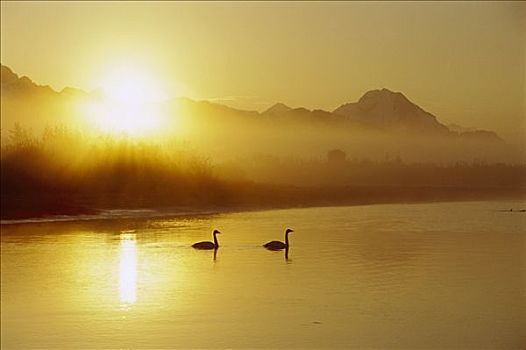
(132, 86)
(131, 104)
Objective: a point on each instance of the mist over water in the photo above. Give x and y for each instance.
(383, 276)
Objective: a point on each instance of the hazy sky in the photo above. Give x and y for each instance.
(462, 61)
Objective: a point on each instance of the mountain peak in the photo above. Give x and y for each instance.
(384, 95)
(7, 76)
(278, 108)
(388, 109)
(71, 91)
(13, 83)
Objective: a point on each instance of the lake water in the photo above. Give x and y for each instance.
(440, 275)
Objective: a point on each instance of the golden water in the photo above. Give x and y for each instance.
(442, 275)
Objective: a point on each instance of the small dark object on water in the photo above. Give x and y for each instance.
(277, 245)
(207, 245)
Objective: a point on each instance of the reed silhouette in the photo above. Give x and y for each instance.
(67, 172)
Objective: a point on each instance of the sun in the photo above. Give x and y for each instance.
(122, 118)
(132, 85)
(131, 103)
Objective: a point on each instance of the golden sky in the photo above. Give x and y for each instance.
(462, 61)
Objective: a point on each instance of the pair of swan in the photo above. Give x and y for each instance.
(272, 245)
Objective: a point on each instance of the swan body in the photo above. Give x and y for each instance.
(275, 245)
(204, 245)
(207, 245)
(278, 245)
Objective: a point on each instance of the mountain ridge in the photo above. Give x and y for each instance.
(12, 83)
(381, 109)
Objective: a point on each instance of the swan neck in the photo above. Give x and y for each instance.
(287, 239)
(216, 243)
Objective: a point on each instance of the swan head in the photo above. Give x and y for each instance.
(289, 230)
(216, 232)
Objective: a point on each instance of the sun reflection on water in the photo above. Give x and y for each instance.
(128, 269)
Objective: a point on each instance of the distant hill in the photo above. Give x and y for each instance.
(390, 110)
(382, 110)
(35, 106)
(278, 108)
(377, 109)
(13, 85)
(381, 122)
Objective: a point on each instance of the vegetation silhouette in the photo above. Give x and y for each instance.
(68, 172)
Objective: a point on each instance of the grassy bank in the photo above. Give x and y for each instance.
(68, 173)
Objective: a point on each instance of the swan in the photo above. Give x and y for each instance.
(277, 245)
(208, 244)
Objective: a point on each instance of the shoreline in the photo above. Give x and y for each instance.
(125, 214)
